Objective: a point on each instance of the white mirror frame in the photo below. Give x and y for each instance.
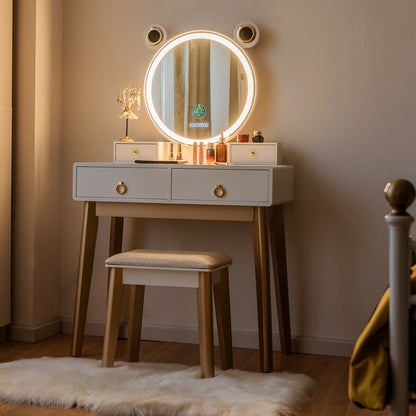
(167, 47)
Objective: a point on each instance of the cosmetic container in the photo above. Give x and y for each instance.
(210, 154)
(221, 151)
(257, 137)
(195, 153)
(243, 137)
(179, 155)
(170, 156)
(201, 153)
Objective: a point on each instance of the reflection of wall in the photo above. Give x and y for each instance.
(220, 87)
(5, 155)
(336, 86)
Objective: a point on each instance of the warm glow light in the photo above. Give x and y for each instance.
(223, 40)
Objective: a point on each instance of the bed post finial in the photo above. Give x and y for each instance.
(399, 193)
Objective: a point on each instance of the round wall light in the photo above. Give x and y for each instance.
(247, 34)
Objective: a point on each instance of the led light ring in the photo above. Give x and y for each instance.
(248, 69)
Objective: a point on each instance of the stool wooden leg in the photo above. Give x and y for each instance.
(135, 322)
(222, 310)
(206, 338)
(112, 321)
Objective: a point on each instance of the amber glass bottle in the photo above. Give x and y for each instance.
(210, 154)
(221, 151)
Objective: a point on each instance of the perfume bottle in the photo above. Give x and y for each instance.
(179, 155)
(170, 155)
(221, 151)
(201, 153)
(195, 152)
(257, 137)
(210, 154)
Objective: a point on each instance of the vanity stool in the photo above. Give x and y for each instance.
(205, 271)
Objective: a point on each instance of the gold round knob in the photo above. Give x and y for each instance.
(121, 188)
(252, 153)
(219, 191)
(135, 152)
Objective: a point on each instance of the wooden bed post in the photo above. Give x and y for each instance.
(400, 194)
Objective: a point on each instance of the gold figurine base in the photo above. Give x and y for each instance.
(126, 139)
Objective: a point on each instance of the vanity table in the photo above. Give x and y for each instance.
(199, 88)
(255, 194)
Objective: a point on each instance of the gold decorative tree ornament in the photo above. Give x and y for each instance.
(127, 97)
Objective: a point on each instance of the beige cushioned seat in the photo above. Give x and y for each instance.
(195, 260)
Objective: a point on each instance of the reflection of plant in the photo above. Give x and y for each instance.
(127, 97)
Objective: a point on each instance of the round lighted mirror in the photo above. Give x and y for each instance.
(198, 86)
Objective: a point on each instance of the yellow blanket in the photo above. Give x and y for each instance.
(369, 373)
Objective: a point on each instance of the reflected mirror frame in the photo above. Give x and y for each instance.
(185, 37)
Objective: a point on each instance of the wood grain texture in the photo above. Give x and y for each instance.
(330, 373)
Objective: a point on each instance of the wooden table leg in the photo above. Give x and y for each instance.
(261, 263)
(275, 216)
(116, 236)
(85, 262)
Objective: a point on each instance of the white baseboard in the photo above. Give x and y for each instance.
(241, 338)
(36, 333)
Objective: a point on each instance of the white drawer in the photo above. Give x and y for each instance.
(220, 185)
(128, 152)
(108, 183)
(255, 153)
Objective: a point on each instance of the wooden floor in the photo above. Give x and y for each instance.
(330, 373)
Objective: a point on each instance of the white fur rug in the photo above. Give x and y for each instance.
(151, 389)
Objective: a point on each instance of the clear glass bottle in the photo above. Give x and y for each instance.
(179, 155)
(170, 156)
(221, 151)
(257, 137)
(210, 154)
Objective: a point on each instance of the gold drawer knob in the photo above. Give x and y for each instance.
(134, 152)
(219, 191)
(121, 188)
(252, 153)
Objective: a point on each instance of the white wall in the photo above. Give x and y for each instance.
(336, 86)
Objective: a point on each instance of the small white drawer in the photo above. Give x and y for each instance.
(128, 152)
(221, 186)
(121, 183)
(255, 153)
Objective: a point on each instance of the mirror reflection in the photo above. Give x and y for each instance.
(199, 89)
